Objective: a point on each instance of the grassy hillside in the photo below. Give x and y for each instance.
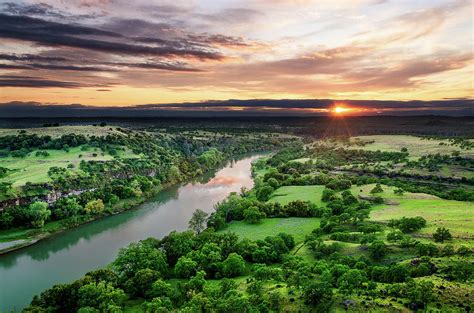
(34, 169)
(287, 194)
(296, 226)
(416, 146)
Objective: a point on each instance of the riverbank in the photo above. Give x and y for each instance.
(20, 238)
(24, 237)
(67, 256)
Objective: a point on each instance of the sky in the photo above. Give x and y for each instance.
(121, 53)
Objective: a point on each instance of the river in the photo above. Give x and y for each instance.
(69, 255)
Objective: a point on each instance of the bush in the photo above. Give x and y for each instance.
(442, 234)
(263, 193)
(378, 249)
(377, 189)
(233, 266)
(94, 207)
(408, 224)
(185, 267)
(252, 215)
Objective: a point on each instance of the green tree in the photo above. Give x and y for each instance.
(233, 266)
(263, 193)
(137, 256)
(442, 234)
(67, 208)
(38, 213)
(378, 249)
(252, 215)
(197, 282)
(420, 293)
(198, 221)
(185, 267)
(377, 189)
(6, 220)
(318, 294)
(100, 296)
(94, 207)
(272, 182)
(351, 280)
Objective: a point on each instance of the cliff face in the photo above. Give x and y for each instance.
(55, 195)
(50, 198)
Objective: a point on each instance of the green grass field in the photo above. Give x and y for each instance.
(34, 168)
(296, 226)
(54, 132)
(287, 194)
(457, 216)
(416, 146)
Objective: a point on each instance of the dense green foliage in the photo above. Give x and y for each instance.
(351, 262)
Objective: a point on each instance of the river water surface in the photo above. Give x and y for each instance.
(69, 255)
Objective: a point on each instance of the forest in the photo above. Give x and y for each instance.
(379, 223)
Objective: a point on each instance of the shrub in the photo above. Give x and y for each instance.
(442, 234)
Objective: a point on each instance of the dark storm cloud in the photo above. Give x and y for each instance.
(57, 34)
(41, 9)
(13, 67)
(323, 104)
(29, 57)
(263, 107)
(37, 82)
(175, 67)
(27, 61)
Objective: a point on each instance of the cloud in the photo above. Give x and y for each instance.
(37, 82)
(256, 107)
(56, 35)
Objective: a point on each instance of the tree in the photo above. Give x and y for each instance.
(67, 208)
(318, 294)
(442, 234)
(263, 193)
(378, 249)
(408, 224)
(272, 182)
(38, 213)
(137, 256)
(198, 221)
(351, 280)
(94, 207)
(197, 282)
(185, 267)
(6, 220)
(252, 215)
(377, 189)
(399, 191)
(233, 266)
(328, 195)
(419, 293)
(395, 235)
(140, 284)
(100, 296)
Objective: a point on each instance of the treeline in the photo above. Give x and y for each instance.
(144, 270)
(161, 160)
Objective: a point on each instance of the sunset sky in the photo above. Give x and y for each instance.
(115, 53)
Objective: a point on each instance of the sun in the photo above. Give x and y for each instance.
(340, 110)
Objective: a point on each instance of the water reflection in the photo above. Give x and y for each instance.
(68, 256)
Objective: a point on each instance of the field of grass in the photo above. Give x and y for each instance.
(34, 168)
(416, 146)
(296, 226)
(287, 194)
(54, 132)
(457, 216)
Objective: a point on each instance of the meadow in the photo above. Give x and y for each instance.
(286, 194)
(34, 169)
(297, 226)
